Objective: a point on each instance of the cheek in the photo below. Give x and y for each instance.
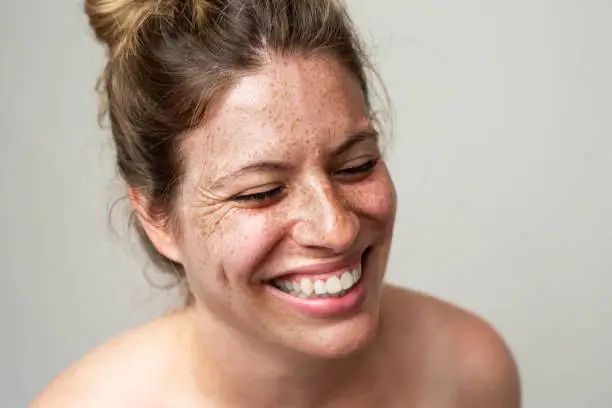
(247, 239)
(235, 246)
(376, 197)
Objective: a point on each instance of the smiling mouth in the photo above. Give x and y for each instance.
(330, 286)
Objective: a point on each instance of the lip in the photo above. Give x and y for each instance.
(326, 307)
(333, 307)
(323, 270)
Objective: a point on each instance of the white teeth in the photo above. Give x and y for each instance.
(357, 273)
(319, 287)
(347, 280)
(333, 285)
(307, 286)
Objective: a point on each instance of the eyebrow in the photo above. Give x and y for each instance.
(348, 143)
(355, 138)
(251, 168)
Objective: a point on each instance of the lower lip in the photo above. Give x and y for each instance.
(331, 307)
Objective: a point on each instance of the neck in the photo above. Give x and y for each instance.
(234, 370)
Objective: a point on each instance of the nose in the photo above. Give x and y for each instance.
(325, 221)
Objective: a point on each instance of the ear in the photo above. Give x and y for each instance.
(160, 237)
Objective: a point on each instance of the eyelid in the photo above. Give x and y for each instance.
(259, 196)
(363, 167)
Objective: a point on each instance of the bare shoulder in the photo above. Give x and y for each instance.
(120, 373)
(465, 353)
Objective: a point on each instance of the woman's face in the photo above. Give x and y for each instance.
(287, 209)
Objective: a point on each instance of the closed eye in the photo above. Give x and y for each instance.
(260, 196)
(363, 168)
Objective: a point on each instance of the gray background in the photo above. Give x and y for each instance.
(502, 158)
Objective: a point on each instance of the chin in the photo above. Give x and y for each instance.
(341, 340)
(343, 336)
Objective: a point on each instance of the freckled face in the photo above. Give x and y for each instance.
(286, 173)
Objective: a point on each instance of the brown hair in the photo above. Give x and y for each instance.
(168, 60)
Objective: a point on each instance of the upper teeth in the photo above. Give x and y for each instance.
(334, 285)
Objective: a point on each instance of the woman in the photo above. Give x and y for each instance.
(245, 134)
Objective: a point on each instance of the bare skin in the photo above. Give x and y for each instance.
(436, 356)
(323, 196)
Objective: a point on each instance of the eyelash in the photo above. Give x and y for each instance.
(263, 196)
(271, 194)
(363, 168)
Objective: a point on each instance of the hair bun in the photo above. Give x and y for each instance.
(116, 22)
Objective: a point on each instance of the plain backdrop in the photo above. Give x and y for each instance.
(502, 156)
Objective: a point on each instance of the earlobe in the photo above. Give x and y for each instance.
(158, 233)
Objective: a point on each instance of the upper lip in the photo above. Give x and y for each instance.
(322, 268)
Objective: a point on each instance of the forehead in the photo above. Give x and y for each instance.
(291, 107)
